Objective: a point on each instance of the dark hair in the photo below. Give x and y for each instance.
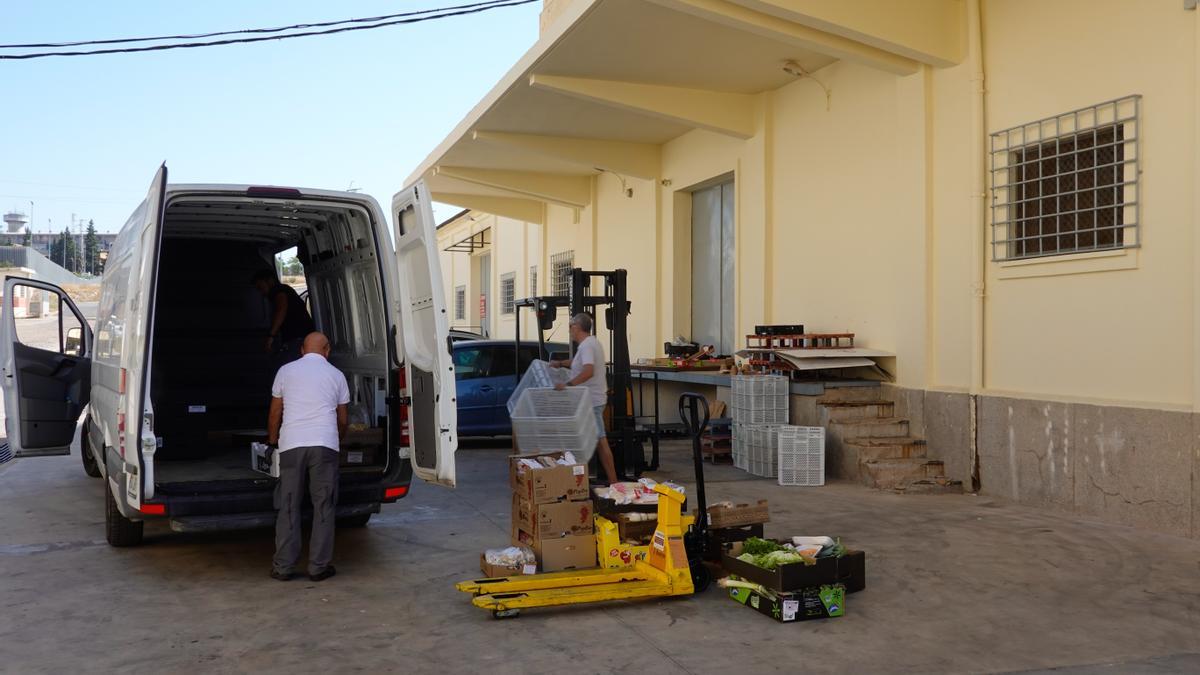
(264, 275)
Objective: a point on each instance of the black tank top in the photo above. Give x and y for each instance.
(296, 323)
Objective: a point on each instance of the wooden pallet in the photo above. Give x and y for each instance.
(800, 341)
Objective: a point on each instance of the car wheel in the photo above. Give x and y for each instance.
(90, 466)
(354, 521)
(119, 530)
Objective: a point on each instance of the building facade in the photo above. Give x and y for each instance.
(1002, 193)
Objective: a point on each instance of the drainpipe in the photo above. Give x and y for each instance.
(978, 220)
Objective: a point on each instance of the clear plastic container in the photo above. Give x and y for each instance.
(545, 420)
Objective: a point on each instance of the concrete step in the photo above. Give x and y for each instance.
(937, 486)
(870, 427)
(860, 393)
(891, 474)
(849, 410)
(871, 449)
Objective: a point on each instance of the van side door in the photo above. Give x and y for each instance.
(46, 370)
(424, 327)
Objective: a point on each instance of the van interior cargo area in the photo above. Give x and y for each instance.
(211, 373)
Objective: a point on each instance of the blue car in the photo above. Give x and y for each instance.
(486, 374)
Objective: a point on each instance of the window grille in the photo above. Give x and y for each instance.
(508, 293)
(532, 281)
(560, 272)
(1068, 183)
(460, 303)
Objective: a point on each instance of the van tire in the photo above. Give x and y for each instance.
(354, 521)
(119, 530)
(90, 466)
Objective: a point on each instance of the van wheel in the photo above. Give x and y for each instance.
(354, 521)
(90, 466)
(119, 530)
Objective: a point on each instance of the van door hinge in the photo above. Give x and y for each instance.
(402, 400)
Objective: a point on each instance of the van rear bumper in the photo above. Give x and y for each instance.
(248, 521)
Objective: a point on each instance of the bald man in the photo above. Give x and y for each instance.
(307, 421)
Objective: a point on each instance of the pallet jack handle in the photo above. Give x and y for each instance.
(693, 412)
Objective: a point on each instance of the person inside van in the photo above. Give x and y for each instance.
(587, 369)
(290, 321)
(307, 420)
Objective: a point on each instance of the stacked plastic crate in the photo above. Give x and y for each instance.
(760, 406)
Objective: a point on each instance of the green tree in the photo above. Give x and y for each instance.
(28, 242)
(64, 251)
(91, 249)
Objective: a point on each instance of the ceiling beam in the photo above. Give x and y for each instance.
(574, 191)
(639, 160)
(798, 35)
(525, 210)
(717, 111)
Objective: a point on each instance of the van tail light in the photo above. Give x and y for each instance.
(272, 191)
(153, 509)
(402, 406)
(393, 493)
(121, 382)
(121, 433)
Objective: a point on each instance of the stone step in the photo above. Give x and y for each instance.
(891, 474)
(848, 410)
(937, 486)
(870, 427)
(871, 449)
(861, 393)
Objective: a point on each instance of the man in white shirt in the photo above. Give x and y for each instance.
(587, 369)
(307, 420)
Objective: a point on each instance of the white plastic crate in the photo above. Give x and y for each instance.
(758, 385)
(801, 455)
(539, 375)
(763, 416)
(544, 420)
(759, 401)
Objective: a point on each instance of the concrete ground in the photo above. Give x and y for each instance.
(955, 584)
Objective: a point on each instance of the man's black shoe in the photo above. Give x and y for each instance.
(323, 574)
(282, 576)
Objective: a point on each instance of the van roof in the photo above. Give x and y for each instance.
(179, 189)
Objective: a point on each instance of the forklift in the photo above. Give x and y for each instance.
(624, 437)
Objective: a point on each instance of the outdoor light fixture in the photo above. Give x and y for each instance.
(624, 186)
(796, 70)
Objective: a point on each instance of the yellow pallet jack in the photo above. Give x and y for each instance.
(673, 562)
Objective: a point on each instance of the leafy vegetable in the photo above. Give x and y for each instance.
(757, 546)
(772, 559)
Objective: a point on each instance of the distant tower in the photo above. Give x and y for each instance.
(16, 221)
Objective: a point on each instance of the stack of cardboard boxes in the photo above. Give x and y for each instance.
(552, 511)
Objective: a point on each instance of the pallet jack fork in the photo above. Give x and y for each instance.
(672, 560)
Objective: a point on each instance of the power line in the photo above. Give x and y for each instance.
(430, 15)
(196, 36)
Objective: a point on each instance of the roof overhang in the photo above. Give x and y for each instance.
(610, 81)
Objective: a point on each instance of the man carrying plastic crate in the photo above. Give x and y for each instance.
(587, 369)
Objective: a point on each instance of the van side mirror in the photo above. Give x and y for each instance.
(74, 342)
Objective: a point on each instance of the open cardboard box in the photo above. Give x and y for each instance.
(849, 570)
(548, 484)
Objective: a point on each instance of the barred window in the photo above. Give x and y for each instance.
(533, 281)
(1068, 183)
(460, 303)
(508, 293)
(560, 272)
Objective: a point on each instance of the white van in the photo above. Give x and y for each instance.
(176, 383)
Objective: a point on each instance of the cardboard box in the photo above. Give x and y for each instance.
(549, 484)
(551, 521)
(818, 602)
(491, 571)
(637, 531)
(566, 553)
(738, 515)
(849, 570)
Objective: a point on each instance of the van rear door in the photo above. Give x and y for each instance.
(425, 330)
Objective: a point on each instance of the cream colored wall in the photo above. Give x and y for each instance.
(1124, 335)
(626, 240)
(850, 211)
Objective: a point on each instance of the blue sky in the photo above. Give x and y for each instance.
(84, 135)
